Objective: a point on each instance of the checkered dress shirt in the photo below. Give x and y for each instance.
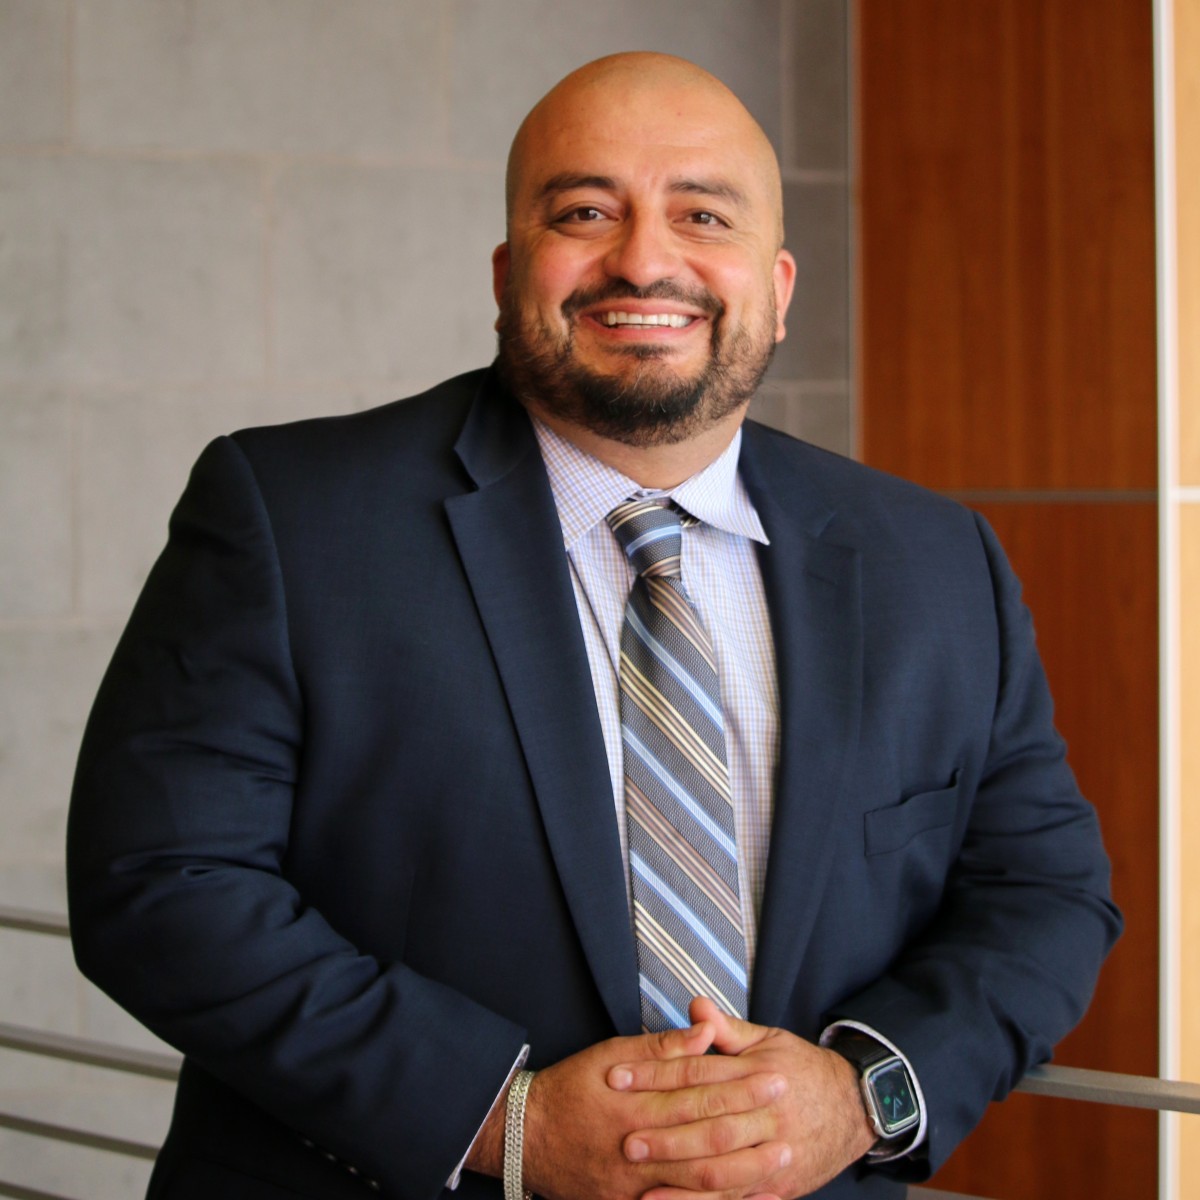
(722, 579)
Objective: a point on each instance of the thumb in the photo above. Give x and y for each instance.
(732, 1035)
(678, 1043)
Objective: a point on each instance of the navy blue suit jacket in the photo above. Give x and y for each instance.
(343, 828)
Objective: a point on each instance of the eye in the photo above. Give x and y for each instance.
(706, 218)
(582, 215)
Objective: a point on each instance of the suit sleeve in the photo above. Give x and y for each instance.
(180, 904)
(1008, 965)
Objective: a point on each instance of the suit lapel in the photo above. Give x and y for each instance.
(813, 593)
(510, 540)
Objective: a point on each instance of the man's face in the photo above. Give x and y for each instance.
(641, 291)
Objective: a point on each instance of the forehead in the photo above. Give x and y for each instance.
(639, 137)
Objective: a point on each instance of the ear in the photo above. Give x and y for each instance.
(784, 278)
(500, 263)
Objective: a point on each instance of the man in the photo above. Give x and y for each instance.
(358, 824)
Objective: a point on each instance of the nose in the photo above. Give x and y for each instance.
(643, 252)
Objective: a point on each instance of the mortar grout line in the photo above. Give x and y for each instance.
(75, 505)
(787, 91)
(80, 623)
(70, 67)
(267, 196)
(827, 176)
(446, 32)
(282, 160)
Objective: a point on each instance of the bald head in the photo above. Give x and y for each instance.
(642, 286)
(647, 98)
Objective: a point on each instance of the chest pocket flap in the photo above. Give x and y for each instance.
(892, 828)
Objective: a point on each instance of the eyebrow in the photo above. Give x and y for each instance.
(717, 188)
(568, 181)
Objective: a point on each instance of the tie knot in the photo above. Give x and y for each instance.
(650, 534)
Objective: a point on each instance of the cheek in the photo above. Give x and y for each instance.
(740, 285)
(550, 278)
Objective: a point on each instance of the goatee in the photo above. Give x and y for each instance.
(651, 404)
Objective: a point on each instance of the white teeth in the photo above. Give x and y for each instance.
(674, 320)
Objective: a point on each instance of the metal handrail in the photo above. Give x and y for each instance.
(150, 1063)
(34, 920)
(73, 1049)
(1109, 1087)
(18, 1191)
(920, 1193)
(1065, 1083)
(77, 1137)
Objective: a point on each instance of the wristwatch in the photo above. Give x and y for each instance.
(887, 1089)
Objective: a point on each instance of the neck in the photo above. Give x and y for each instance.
(658, 467)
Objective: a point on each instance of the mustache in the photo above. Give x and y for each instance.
(661, 289)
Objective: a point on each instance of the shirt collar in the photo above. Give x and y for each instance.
(585, 489)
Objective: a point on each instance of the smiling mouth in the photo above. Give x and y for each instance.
(671, 320)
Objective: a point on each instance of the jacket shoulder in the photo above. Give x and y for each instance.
(860, 502)
(419, 425)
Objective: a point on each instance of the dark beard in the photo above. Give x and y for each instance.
(652, 407)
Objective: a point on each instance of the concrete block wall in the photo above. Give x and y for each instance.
(222, 212)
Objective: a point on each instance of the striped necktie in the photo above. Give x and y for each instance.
(678, 807)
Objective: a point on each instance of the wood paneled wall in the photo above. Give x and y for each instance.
(1185, 511)
(1186, 31)
(1008, 356)
(1187, 846)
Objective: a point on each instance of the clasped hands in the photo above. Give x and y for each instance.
(658, 1117)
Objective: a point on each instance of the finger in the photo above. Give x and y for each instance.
(677, 1043)
(732, 1035)
(726, 1177)
(662, 1193)
(684, 1071)
(693, 1041)
(703, 1138)
(687, 1105)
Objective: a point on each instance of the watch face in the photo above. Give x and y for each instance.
(894, 1099)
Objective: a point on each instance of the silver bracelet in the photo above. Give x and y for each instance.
(514, 1136)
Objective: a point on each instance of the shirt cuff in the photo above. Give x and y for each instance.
(887, 1153)
(453, 1182)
